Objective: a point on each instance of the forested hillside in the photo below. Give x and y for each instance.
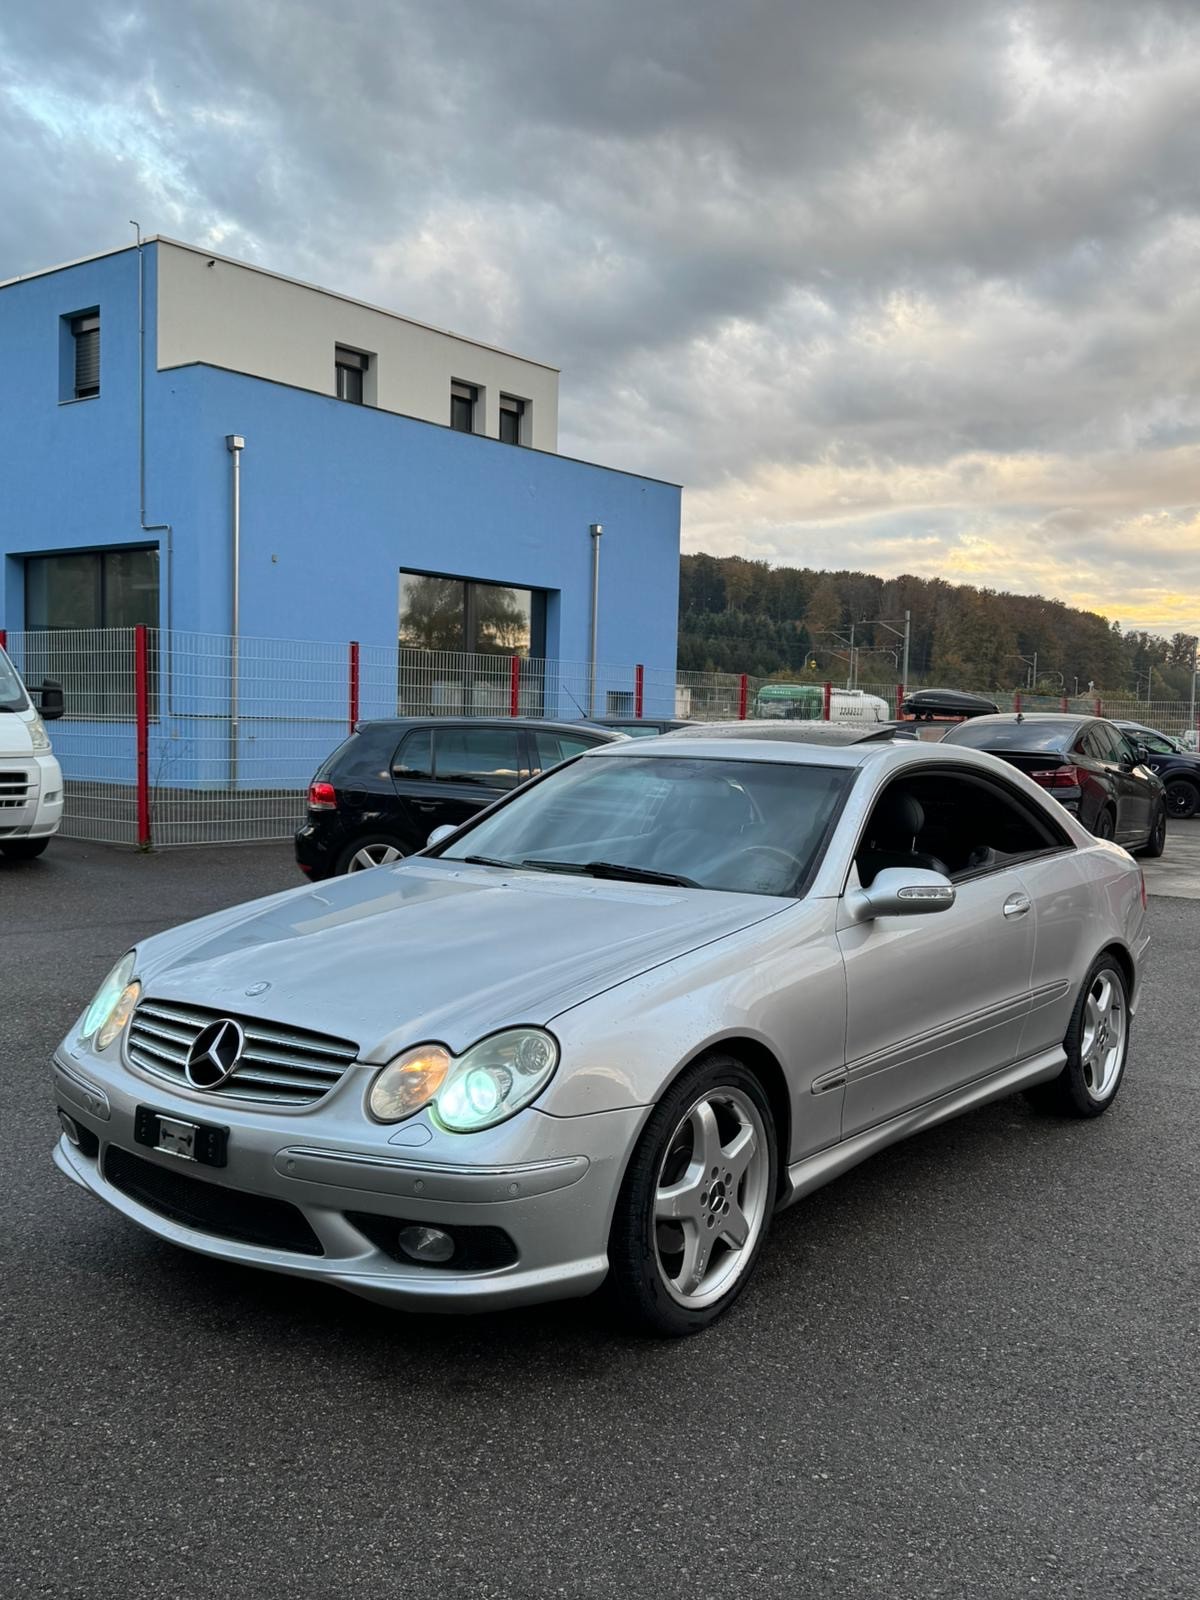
(745, 616)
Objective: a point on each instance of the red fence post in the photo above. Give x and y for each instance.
(3, 638)
(354, 683)
(827, 704)
(1064, 704)
(1099, 706)
(743, 696)
(899, 701)
(141, 675)
(1016, 699)
(639, 690)
(514, 687)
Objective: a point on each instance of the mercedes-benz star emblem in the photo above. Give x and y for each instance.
(214, 1055)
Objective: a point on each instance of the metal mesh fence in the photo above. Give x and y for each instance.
(217, 739)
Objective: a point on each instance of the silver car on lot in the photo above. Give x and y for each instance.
(609, 1027)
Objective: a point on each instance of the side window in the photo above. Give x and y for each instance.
(414, 758)
(547, 748)
(1111, 742)
(1091, 744)
(488, 756)
(363, 760)
(1154, 742)
(951, 824)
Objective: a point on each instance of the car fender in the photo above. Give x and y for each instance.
(780, 984)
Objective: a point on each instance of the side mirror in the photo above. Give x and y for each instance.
(1143, 754)
(51, 697)
(439, 834)
(901, 892)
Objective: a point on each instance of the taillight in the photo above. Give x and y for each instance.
(1059, 778)
(322, 797)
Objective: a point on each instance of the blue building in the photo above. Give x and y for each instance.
(397, 483)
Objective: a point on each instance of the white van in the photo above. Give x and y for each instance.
(31, 782)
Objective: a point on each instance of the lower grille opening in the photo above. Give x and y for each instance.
(209, 1207)
(476, 1249)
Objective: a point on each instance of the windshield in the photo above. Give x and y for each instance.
(750, 827)
(12, 692)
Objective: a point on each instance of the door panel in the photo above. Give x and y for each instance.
(1064, 905)
(935, 1001)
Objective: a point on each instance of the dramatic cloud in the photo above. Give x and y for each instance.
(905, 286)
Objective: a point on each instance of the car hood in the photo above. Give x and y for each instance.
(433, 950)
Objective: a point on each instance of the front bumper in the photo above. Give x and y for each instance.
(38, 813)
(549, 1183)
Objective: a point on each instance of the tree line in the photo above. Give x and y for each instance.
(795, 623)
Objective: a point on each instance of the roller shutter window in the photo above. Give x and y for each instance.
(86, 332)
(464, 397)
(349, 370)
(512, 419)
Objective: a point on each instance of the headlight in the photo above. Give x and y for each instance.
(113, 1005)
(37, 732)
(408, 1083)
(495, 1079)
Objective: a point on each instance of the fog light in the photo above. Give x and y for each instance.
(70, 1128)
(425, 1244)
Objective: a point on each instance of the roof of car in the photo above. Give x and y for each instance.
(822, 733)
(499, 720)
(670, 746)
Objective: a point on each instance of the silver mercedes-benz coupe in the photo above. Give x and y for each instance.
(609, 1027)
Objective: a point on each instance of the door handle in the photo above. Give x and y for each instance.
(1017, 905)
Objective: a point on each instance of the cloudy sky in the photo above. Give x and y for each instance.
(906, 285)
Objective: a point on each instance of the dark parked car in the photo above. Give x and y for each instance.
(1087, 764)
(381, 793)
(1178, 768)
(639, 727)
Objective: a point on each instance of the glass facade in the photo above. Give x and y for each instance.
(83, 590)
(477, 618)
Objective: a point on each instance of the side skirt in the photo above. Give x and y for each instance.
(813, 1171)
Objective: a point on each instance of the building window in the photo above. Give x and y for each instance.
(349, 370)
(512, 420)
(91, 590)
(464, 397)
(479, 618)
(85, 332)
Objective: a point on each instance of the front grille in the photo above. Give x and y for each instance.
(14, 790)
(281, 1065)
(209, 1207)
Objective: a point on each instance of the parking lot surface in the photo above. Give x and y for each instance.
(971, 1367)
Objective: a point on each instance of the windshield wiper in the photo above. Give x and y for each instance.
(614, 870)
(485, 861)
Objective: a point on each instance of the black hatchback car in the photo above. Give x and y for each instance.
(381, 793)
(1087, 764)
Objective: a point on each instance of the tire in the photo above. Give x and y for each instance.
(24, 849)
(675, 1264)
(372, 850)
(1157, 842)
(1182, 798)
(1088, 1084)
(1104, 826)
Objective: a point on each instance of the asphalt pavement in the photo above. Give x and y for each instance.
(969, 1368)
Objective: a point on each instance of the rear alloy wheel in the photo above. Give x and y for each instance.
(696, 1202)
(1104, 827)
(1157, 842)
(1182, 798)
(363, 854)
(1097, 1045)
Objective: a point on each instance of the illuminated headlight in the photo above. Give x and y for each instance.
(495, 1079)
(39, 736)
(492, 1081)
(113, 1005)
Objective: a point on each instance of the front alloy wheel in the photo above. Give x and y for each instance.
(1182, 798)
(697, 1200)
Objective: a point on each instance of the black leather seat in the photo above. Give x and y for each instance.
(892, 837)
